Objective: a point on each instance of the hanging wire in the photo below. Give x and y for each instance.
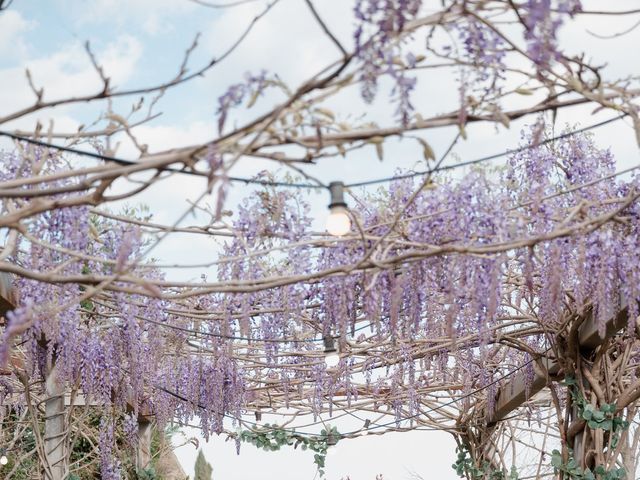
(275, 183)
(372, 425)
(316, 186)
(488, 157)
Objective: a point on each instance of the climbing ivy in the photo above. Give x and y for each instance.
(574, 472)
(597, 417)
(465, 467)
(272, 437)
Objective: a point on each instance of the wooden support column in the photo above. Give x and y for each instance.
(145, 430)
(7, 295)
(143, 458)
(514, 393)
(54, 427)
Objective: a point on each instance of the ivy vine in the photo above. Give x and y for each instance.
(574, 472)
(465, 467)
(272, 437)
(603, 417)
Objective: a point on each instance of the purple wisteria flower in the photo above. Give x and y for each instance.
(379, 24)
(253, 85)
(543, 18)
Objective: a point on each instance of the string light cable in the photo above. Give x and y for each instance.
(275, 183)
(371, 425)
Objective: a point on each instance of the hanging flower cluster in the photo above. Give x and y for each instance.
(416, 303)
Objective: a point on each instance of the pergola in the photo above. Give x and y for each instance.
(496, 303)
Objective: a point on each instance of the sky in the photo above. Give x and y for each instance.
(142, 41)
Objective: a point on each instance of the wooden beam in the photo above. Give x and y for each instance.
(514, 393)
(7, 294)
(588, 335)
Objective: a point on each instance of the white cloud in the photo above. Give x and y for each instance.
(164, 137)
(13, 27)
(121, 12)
(67, 73)
(287, 41)
(154, 25)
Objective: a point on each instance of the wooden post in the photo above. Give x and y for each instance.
(513, 393)
(143, 458)
(7, 295)
(54, 426)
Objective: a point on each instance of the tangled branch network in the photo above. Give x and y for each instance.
(446, 284)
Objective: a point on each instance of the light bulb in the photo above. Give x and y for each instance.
(367, 423)
(332, 359)
(331, 451)
(338, 221)
(4, 460)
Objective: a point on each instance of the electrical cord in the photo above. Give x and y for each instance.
(275, 183)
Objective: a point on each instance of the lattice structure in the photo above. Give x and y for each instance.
(452, 301)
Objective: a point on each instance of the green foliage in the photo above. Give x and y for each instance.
(465, 467)
(271, 438)
(572, 471)
(147, 474)
(82, 455)
(203, 469)
(597, 418)
(603, 417)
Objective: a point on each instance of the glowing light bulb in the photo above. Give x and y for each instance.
(4, 460)
(332, 359)
(331, 451)
(338, 221)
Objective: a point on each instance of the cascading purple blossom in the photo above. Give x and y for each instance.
(253, 85)
(379, 24)
(123, 348)
(18, 322)
(543, 18)
(109, 465)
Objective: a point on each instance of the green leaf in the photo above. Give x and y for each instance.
(606, 425)
(513, 475)
(556, 459)
(614, 441)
